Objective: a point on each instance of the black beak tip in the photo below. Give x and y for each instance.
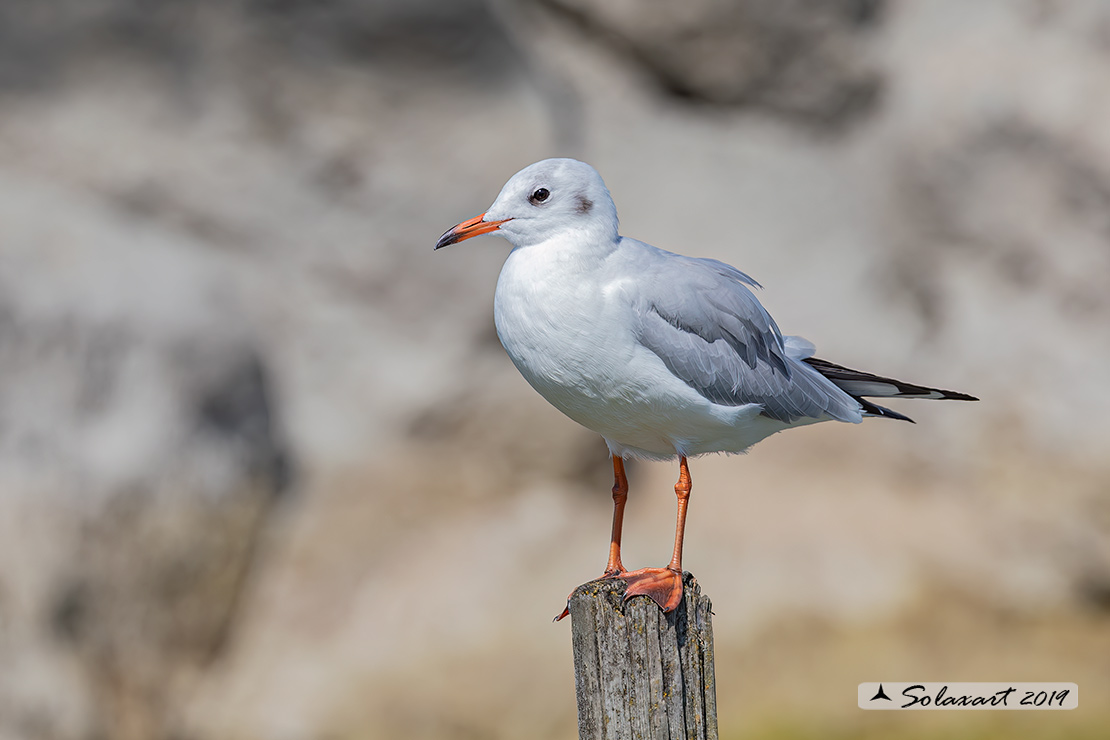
(449, 237)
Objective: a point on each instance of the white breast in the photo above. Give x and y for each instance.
(562, 327)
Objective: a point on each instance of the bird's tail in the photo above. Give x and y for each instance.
(859, 384)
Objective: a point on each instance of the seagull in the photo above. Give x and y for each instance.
(665, 356)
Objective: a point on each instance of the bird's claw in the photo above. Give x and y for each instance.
(662, 585)
(617, 572)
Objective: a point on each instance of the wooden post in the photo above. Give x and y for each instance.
(640, 673)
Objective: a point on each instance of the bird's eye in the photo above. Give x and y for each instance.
(540, 195)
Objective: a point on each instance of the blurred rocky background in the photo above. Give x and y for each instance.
(266, 473)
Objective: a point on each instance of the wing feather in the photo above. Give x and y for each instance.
(717, 337)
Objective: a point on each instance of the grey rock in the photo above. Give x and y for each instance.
(804, 60)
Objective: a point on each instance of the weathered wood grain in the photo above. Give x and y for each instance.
(639, 673)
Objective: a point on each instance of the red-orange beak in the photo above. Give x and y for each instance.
(474, 227)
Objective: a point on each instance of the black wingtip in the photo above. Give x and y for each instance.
(854, 383)
(874, 409)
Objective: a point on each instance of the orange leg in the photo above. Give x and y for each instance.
(613, 568)
(620, 495)
(664, 585)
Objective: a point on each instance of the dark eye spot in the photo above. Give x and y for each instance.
(540, 195)
(584, 204)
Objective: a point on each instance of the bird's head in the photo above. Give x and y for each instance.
(544, 200)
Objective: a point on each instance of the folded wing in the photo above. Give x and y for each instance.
(713, 334)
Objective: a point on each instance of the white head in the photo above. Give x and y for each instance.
(544, 200)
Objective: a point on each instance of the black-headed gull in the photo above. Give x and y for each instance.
(662, 355)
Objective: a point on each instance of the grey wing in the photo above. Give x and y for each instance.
(711, 332)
